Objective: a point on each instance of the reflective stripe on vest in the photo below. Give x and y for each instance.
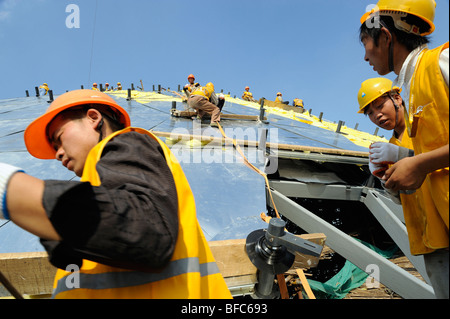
(111, 280)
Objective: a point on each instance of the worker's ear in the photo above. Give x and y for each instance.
(386, 35)
(94, 117)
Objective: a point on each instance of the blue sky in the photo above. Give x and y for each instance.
(306, 49)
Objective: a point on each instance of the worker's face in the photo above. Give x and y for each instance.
(377, 56)
(191, 80)
(72, 140)
(383, 114)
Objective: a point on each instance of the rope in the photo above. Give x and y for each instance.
(253, 167)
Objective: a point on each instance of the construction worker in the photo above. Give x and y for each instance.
(204, 100)
(298, 103)
(129, 225)
(107, 88)
(191, 85)
(394, 35)
(43, 89)
(119, 86)
(279, 97)
(248, 96)
(94, 87)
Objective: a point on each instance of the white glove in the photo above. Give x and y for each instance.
(387, 153)
(377, 169)
(383, 153)
(6, 171)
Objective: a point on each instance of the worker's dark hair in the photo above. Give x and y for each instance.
(107, 113)
(409, 40)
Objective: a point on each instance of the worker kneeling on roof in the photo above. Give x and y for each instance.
(130, 222)
(204, 100)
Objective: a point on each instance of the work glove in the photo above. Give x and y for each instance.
(387, 153)
(6, 171)
(382, 154)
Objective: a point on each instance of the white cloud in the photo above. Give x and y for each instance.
(6, 7)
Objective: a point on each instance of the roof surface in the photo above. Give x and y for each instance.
(229, 196)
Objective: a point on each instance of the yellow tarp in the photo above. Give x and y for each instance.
(357, 137)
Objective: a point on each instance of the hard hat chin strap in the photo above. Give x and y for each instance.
(99, 129)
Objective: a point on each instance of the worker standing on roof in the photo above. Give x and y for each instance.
(129, 225)
(394, 35)
(119, 86)
(204, 100)
(43, 89)
(190, 87)
(107, 88)
(248, 96)
(94, 87)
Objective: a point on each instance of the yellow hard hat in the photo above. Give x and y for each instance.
(423, 9)
(210, 86)
(36, 139)
(45, 84)
(372, 89)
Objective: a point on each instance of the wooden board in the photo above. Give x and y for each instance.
(288, 147)
(32, 273)
(189, 114)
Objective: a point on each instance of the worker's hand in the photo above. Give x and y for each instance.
(221, 96)
(404, 175)
(377, 169)
(383, 153)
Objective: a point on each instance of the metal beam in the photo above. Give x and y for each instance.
(394, 227)
(392, 276)
(316, 190)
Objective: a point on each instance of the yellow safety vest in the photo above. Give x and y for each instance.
(417, 218)
(192, 271)
(429, 113)
(202, 91)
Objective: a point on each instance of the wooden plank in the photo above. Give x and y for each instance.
(189, 114)
(288, 147)
(30, 273)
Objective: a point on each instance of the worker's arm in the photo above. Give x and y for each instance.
(410, 172)
(24, 204)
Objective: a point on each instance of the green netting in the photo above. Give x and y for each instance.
(347, 279)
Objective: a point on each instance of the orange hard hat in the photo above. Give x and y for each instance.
(247, 88)
(36, 139)
(191, 76)
(95, 84)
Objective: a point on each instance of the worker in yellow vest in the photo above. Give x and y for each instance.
(298, 103)
(204, 100)
(95, 87)
(43, 89)
(279, 97)
(248, 96)
(191, 85)
(382, 103)
(129, 225)
(394, 35)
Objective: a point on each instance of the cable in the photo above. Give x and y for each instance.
(253, 167)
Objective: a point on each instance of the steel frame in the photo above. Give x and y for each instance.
(388, 214)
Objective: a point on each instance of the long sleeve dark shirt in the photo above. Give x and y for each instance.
(129, 221)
